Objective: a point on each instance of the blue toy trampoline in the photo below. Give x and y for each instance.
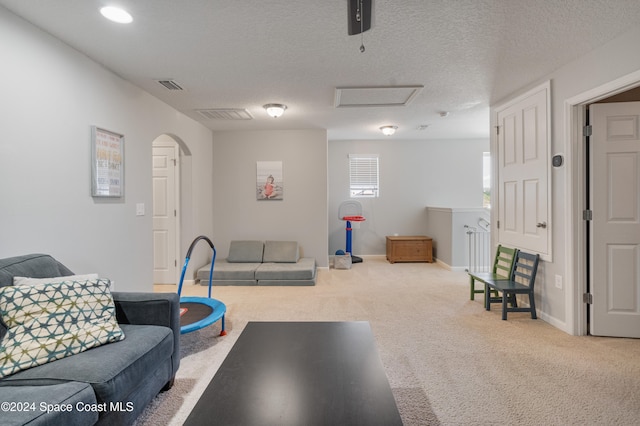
(199, 312)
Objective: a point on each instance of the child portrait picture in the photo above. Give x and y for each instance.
(269, 182)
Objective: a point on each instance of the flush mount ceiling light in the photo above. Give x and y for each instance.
(116, 14)
(275, 110)
(388, 130)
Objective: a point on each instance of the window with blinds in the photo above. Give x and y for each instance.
(364, 175)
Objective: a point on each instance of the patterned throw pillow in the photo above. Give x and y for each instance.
(48, 321)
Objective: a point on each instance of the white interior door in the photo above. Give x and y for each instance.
(523, 136)
(615, 227)
(165, 179)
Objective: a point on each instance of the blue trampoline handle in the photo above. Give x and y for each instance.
(213, 260)
(186, 262)
(193, 244)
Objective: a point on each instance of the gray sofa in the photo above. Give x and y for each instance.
(261, 263)
(109, 384)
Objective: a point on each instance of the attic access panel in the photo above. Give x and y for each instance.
(377, 96)
(358, 10)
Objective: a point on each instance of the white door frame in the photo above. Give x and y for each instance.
(170, 142)
(575, 235)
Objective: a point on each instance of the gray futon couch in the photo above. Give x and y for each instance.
(267, 263)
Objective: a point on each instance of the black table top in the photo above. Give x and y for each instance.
(300, 373)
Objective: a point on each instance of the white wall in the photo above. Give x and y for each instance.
(302, 214)
(602, 65)
(413, 175)
(450, 240)
(51, 97)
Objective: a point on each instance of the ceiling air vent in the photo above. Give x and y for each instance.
(170, 84)
(225, 114)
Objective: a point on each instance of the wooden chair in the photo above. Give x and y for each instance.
(502, 268)
(523, 277)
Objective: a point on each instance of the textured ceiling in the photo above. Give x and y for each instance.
(244, 54)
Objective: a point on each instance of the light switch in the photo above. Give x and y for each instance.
(559, 281)
(140, 209)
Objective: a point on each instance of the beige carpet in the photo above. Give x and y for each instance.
(449, 362)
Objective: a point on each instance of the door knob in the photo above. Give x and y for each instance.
(541, 225)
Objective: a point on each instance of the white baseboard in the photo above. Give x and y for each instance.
(364, 256)
(554, 322)
(374, 256)
(522, 301)
(451, 268)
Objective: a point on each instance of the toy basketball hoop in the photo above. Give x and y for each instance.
(354, 218)
(351, 211)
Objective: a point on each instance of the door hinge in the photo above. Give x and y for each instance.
(587, 214)
(498, 130)
(175, 213)
(175, 163)
(175, 263)
(587, 130)
(587, 298)
(497, 224)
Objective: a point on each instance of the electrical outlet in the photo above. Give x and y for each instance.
(559, 281)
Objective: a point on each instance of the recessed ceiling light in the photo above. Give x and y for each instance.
(116, 14)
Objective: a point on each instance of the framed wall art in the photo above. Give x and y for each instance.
(269, 182)
(107, 163)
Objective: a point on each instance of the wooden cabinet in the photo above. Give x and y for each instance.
(409, 249)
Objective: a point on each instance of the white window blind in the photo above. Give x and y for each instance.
(364, 175)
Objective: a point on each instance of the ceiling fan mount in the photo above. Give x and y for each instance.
(360, 13)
